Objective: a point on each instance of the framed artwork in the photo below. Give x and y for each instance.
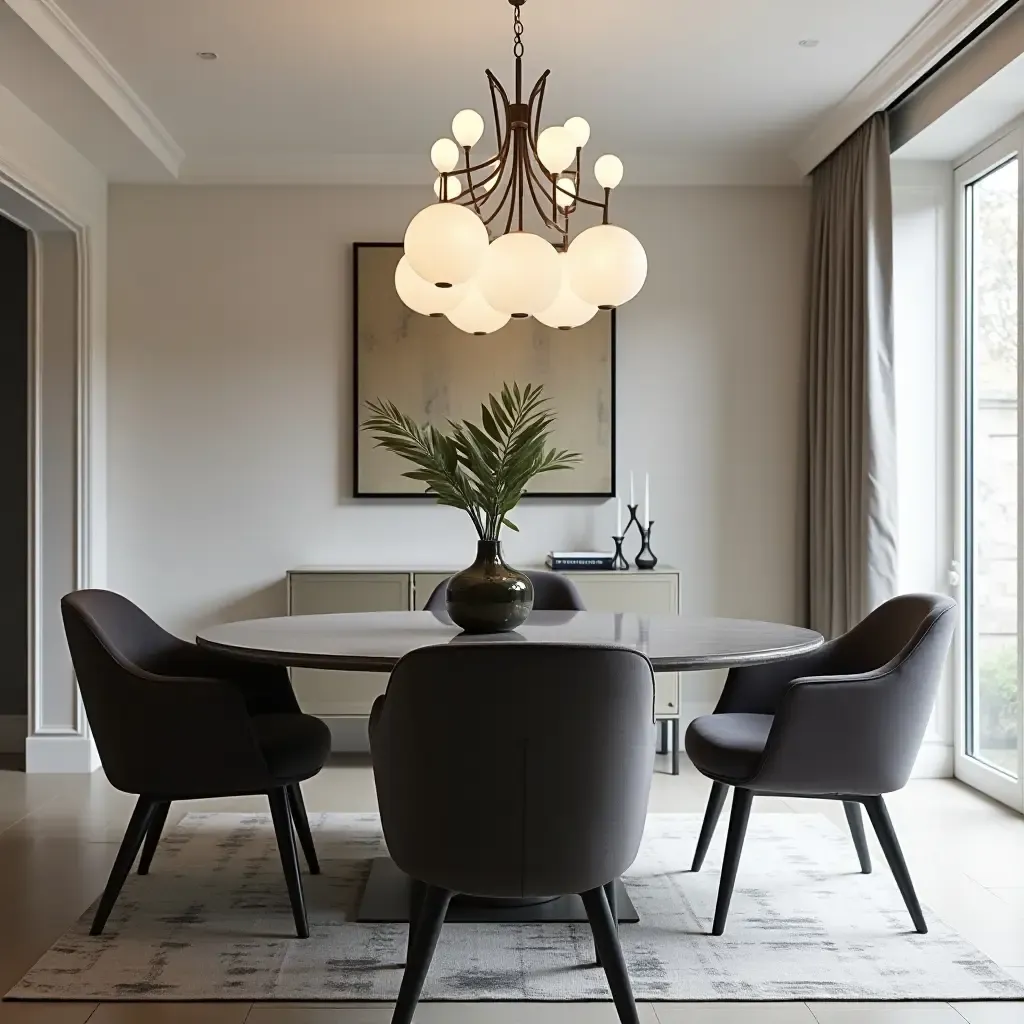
(434, 372)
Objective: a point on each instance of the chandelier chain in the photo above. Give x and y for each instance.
(517, 27)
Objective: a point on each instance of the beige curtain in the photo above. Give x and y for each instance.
(851, 432)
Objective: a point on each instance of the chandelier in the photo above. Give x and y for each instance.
(470, 257)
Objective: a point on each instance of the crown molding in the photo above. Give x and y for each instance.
(268, 168)
(67, 41)
(935, 34)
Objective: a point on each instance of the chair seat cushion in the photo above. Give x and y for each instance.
(295, 746)
(728, 746)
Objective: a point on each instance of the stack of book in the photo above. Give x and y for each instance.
(561, 560)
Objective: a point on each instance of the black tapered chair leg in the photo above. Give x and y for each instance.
(741, 801)
(716, 801)
(613, 905)
(606, 938)
(417, 890)
(428, 928)
(156, 827)
(856, 823)
(281, 813)
(879, 815)
(675, 746)
(302, 829)
(134, 834)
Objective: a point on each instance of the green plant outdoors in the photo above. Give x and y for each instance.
(481, 469)
(997, 697)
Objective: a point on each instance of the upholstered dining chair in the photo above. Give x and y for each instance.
(552, 592)
(513, 770)
(844, 722)
(174, 722)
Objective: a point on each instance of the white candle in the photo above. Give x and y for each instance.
(632, 499)
(618, 517)
(647, 498)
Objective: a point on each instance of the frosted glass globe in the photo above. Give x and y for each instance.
(467, 127)
(521, 274)
(556, 149)
(446, 244)
(454, 187)
(568, 310)
(608, 171)
(422, 297)
(474, 315)
(607, 265)
(579, 129)
(565, 185)
(490, 176)
(444, 155)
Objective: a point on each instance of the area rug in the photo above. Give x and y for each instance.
(212, 922)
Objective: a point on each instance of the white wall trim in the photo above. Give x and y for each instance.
(282, 168)
(61, 754)
(933, 36)
(13, 729)
(935, 761)
(66, 40)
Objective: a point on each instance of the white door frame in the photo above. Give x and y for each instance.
(60, 742)
(971, 770)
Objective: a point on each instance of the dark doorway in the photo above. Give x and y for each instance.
(14, 477)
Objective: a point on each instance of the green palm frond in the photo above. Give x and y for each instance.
(482, 468)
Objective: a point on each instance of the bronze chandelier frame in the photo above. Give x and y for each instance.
(517, 126)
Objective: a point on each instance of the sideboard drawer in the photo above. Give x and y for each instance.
(326, 693)
(423, 584)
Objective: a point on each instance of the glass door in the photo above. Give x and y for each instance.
(989, 721)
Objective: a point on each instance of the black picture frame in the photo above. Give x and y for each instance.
(358, 399)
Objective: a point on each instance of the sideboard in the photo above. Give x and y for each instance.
(320, 590)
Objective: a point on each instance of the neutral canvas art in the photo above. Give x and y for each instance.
(434, 372)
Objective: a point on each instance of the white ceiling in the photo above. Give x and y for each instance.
(303, 89)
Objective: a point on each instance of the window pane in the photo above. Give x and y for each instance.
(992, 295)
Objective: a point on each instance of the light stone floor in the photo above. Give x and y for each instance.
(58, 836)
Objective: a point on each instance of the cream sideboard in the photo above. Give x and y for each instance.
(316, 591)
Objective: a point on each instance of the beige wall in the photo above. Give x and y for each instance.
(230, 384)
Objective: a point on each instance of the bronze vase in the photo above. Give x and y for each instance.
(489, 596)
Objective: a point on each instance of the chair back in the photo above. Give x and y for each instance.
(515, 769)
(552, 592)
(157, 729)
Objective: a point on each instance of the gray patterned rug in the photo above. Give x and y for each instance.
(212, 922)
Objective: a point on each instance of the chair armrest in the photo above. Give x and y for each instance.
(855, 734)
(758, 689)
(179, 734)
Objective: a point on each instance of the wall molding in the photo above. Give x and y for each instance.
(61, 754)
(945, 25)
(934, 761)
(69, 43)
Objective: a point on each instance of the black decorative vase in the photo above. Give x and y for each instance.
(489, 596)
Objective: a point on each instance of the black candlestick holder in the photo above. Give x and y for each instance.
(619, 561)
(646, 558)
(633, 518)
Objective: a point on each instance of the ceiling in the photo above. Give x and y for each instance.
(320, 89)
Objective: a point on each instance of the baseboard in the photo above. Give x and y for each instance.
(65, 755)
(13, 729)
(935, 761)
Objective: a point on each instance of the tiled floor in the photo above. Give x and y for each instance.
(58, 836)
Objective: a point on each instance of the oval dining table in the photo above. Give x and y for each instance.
(377, 641)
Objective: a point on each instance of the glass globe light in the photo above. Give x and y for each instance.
(565, 185)
(422, 297)
(556, 148)
(490, 176)
(444, 155)
(608, 171)
(607, 265)
(521, 274)
(579, 129)
(568, 310)
(446, 244)
(467, 127)
(454, 187)
(474, 315)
